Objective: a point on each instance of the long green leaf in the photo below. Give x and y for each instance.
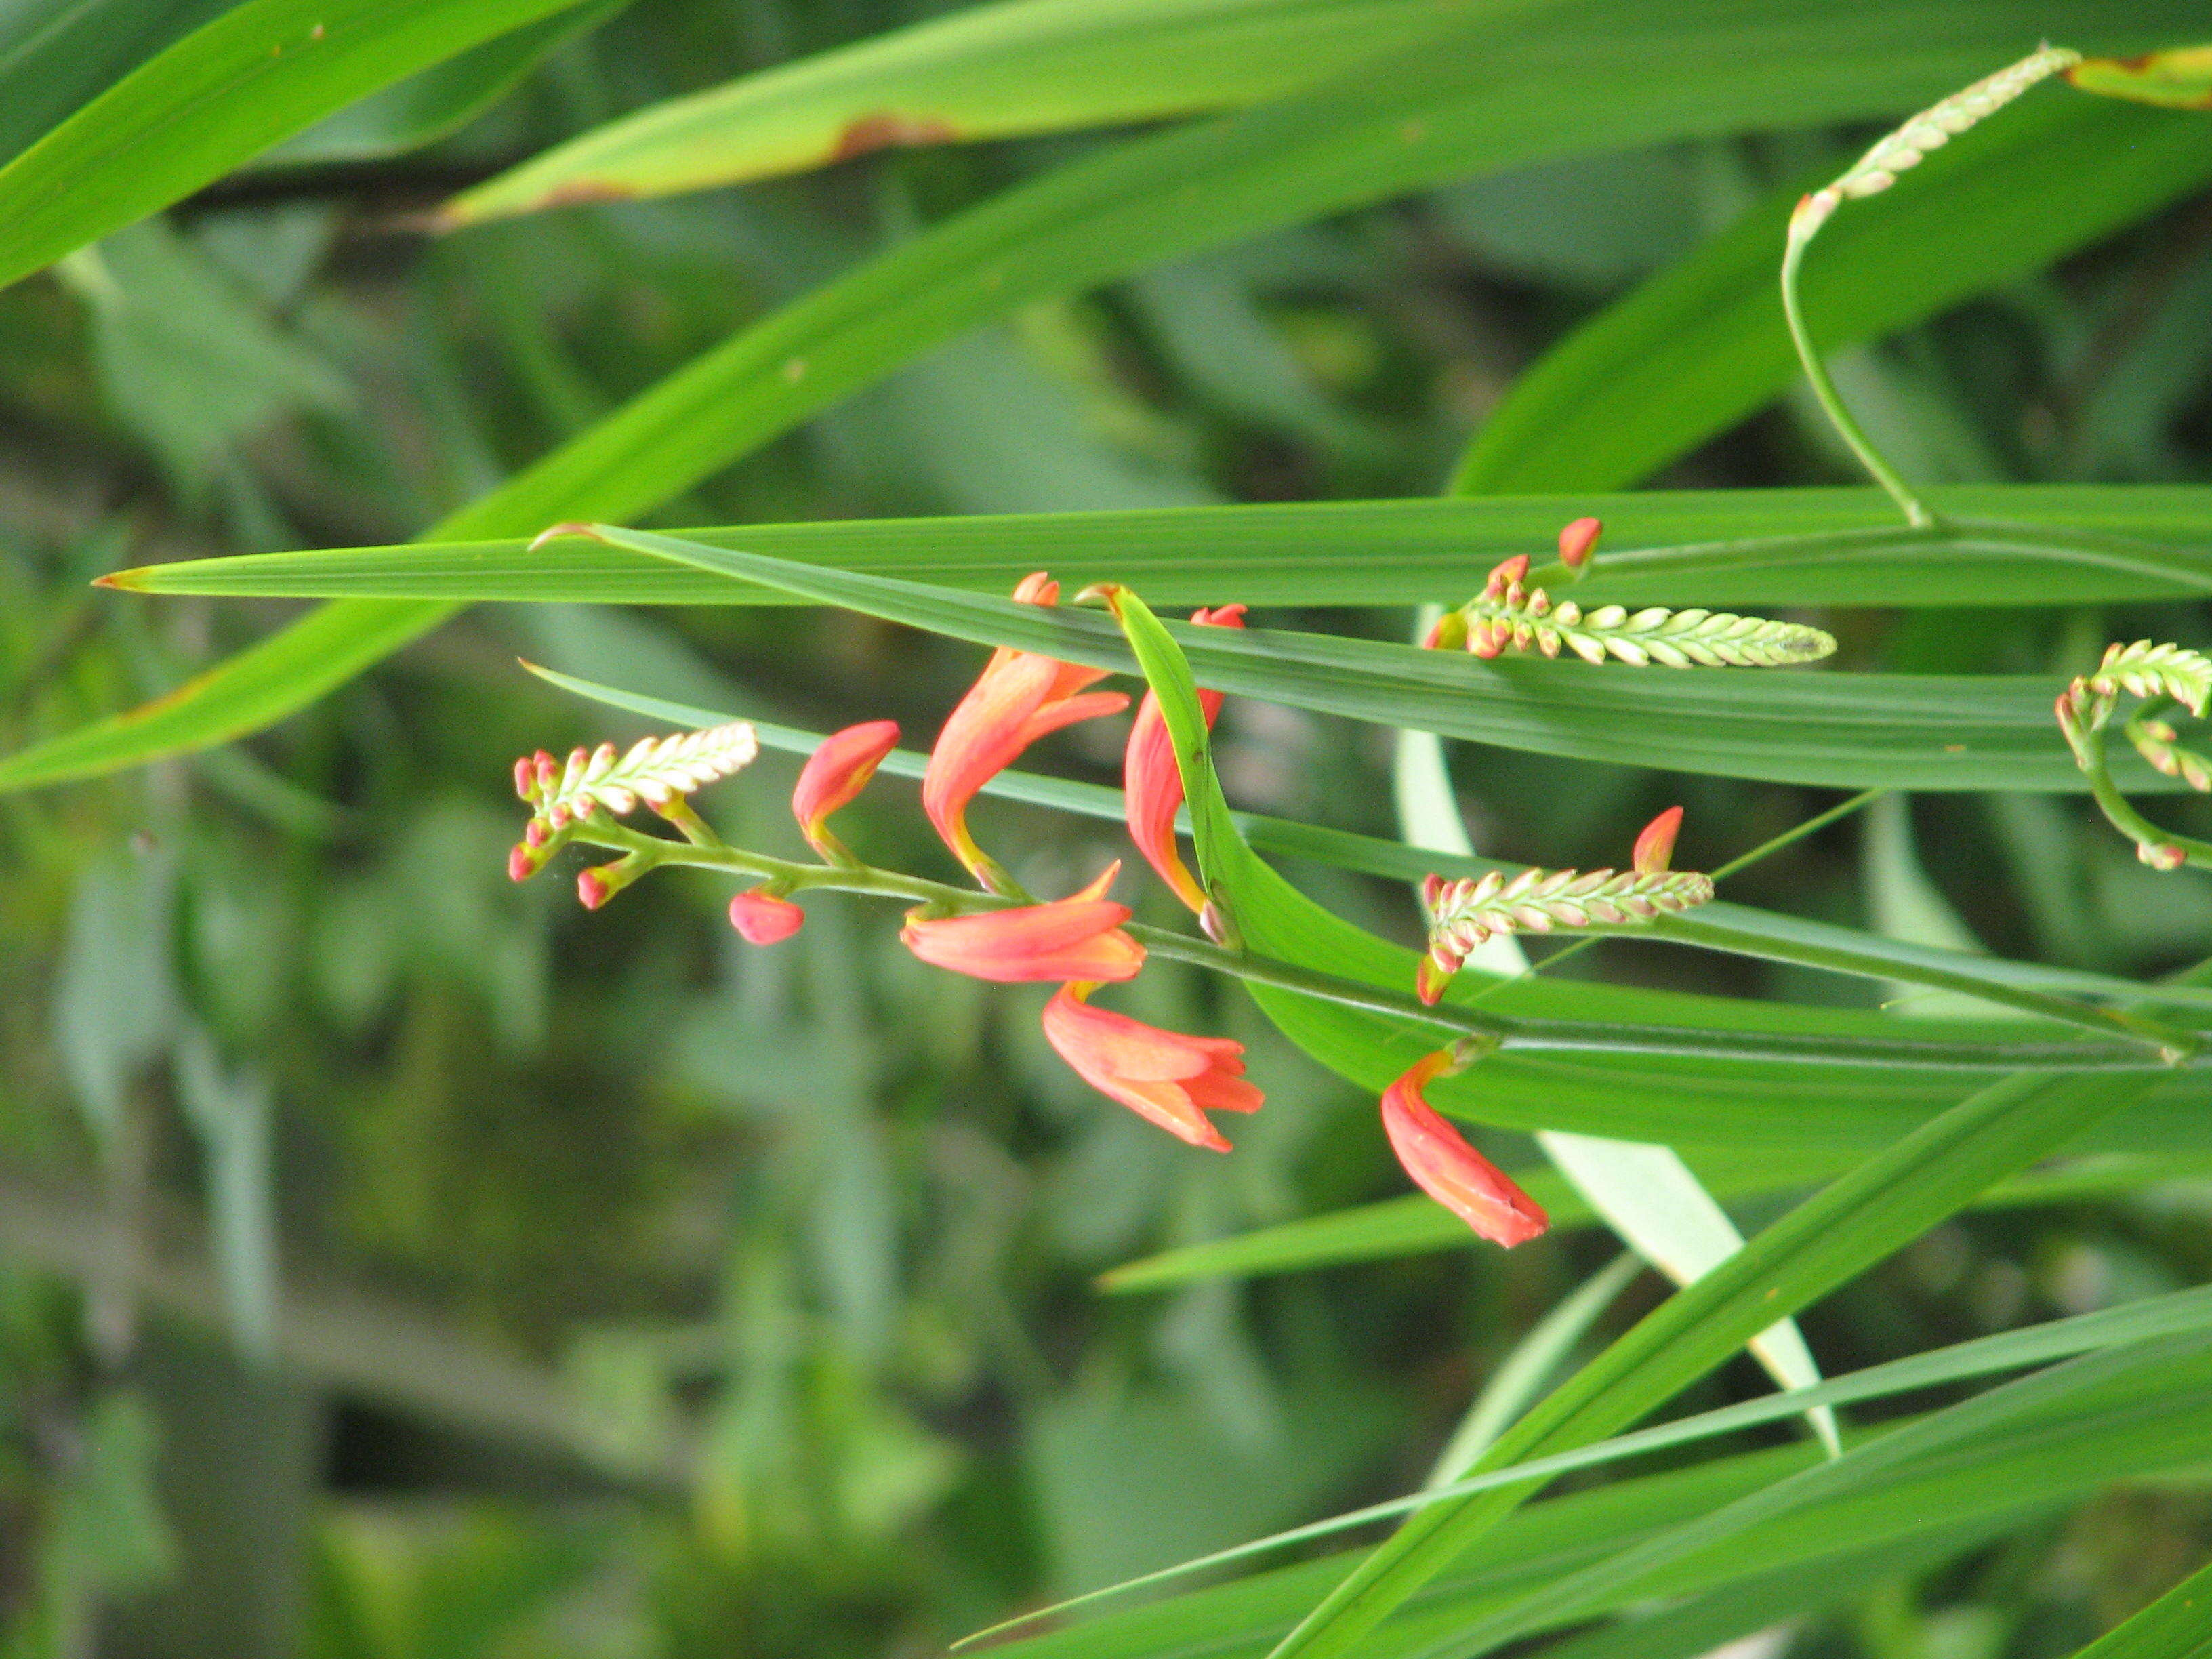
(2102, 542)
(2153, 1331)
(217, 99)
(1890, 1199)
(1884, 1203)
(1850, 731)
(988, 71)
(2163, 1386)
(1702, 345)
(2177, 1625)
(1480, 99)
(1396, 1227)
(53, 59)
(1992, 1480)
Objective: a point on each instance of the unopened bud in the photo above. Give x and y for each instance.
(1577, 540)
(762, 918)
(521, 864)
(1449, 634)
(1655, 848)
(2161, 855)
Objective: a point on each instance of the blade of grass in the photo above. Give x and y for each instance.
(1484, 98)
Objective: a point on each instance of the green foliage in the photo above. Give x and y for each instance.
(395, 1261)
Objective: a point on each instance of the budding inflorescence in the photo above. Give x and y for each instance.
(1510, 615)
(1934, 127)
(660, 772)
(1466, 912)
(2161, 675)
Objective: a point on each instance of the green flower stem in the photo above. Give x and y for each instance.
(2089, 750)
(1824, 389)
(2153, 1046)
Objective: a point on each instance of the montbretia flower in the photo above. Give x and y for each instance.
(1449, 1170)
(1165, 1077)
(837, 771)
(1077, 938)
(764, 918)
(1153, 784)
(1019, 698)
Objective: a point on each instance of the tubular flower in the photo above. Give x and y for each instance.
(1449, 1170)
(836, 771)
(1077, 938)
(762, 918)
(1164, 1076)
(1152, 784)
(1019, 698)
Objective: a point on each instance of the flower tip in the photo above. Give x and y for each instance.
(1037, 588)
(2161, 855)
(566, 527)
(592, 888)
(1106, 594)
(1431, 981)
(838, 770)
(1577, 540)
(1220, 616)
(1655, 848)
(521, 864)
(762, 918)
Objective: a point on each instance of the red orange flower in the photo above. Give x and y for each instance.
(1165, 1077)
(762, 918)
(1019, 698)
(1152, 784)
(1077, 938)
(1449, 1170)
(835, 772)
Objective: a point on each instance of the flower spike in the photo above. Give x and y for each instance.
(1449, 1170)
(1019, 698)
(1508, 617)
(1077, 938)
(1463, 914)
(836, 772)
(1165, 1077)
(1153, 784)
(2161, 675)
(655, 770)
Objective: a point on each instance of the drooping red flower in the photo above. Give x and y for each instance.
(1449, 1170)
(1019, 698)
(1152, 785)
(763, 918)
(1165, 1077)
(836, 771)
(1077, 938)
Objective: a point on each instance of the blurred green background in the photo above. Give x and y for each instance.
(395, 1262)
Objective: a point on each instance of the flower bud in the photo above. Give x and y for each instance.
(1577, 540)
(1655, 848)
(763, 918)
